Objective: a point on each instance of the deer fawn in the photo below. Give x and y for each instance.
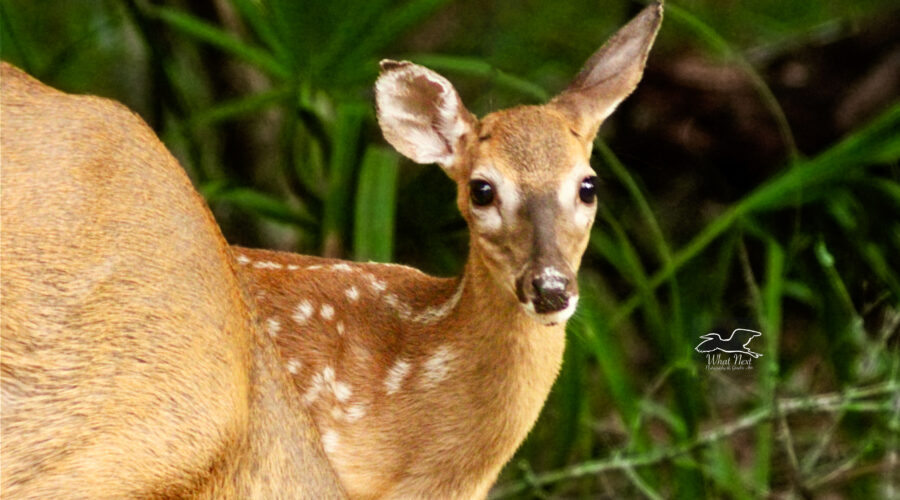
(424, 387)
(132, 363)
(141, 357)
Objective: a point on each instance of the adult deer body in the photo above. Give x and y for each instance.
(424, 387)
(132, 364)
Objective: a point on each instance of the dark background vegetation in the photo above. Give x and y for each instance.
(750, 182)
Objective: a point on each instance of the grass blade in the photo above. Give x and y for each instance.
(256, 16)
(385, 31)
(212, 35)
(345, 143)
(470, 66)
(347, 37)
(770, 311)
(229, 110)
(877, 143)
(711, 38)
(659, 240)
(376, 193)
(261, 204)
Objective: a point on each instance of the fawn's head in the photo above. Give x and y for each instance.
(524, 179)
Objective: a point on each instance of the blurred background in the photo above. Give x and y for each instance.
(750, 182)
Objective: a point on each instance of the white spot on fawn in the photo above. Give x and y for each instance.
(403, 309)
(340, 327)
(342, 391)
(330, 441)
(315, 387)
(243, 260)
(265, 264)
(355, 412)
(437, 367)
(325, 381)
(377, 284)
(273, 326)
(342, 267)
(327, 312)
(292, 267)
(313, 267)
(429, 315)
(293, 366)
(395, 376)
(352, 293)
(303, 311)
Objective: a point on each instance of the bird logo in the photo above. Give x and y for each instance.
(736, 343)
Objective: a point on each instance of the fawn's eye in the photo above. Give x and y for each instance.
(588, 190)
(481, 192)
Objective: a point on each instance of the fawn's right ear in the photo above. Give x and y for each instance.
(421, 114)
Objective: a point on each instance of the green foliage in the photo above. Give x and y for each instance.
(290, 156)
(373, 238)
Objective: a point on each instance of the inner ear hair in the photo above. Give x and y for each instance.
(421, 114)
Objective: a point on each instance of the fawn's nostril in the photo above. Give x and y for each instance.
(550, 294)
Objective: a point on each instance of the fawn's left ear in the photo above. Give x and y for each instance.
(611, 74)
(421, 114)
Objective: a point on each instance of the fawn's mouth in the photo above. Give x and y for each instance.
(552, 318)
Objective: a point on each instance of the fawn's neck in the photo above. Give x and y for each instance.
(512, 364)
(420, 386)
(503, 341)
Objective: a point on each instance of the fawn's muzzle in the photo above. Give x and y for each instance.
(547, 290)
(547, 286)
(550, 295)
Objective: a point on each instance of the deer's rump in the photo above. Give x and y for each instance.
(127, 347)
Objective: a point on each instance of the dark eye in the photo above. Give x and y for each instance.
(481, 192)
(588, 190)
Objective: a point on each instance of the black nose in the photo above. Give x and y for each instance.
(550, 295)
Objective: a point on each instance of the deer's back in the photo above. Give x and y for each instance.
(128, 351)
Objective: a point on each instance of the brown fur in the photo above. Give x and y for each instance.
(131, 360)
(410, 408)
(451, 439)
(448, 440)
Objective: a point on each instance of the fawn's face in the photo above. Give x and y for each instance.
(523, 175)
(528, 194)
